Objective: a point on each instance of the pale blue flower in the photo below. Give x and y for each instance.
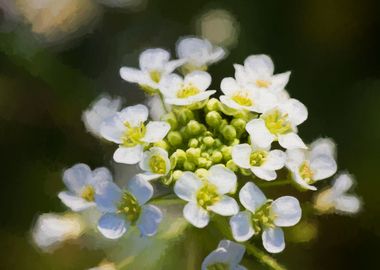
(227, 256)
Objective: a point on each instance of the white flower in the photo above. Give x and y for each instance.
(279, 123)
(263, 214)
(262, 162)
(52, 229)
(207, 195)
(240, 96)
(187, 91)
(156, 108)
(155, 163)
(336, 199)
(227, 256)
(127, 129)
(154, 66)
(125, 208)
(258, 71)
(98, 111)
(83, 186)
(198, 53)
(309, 166)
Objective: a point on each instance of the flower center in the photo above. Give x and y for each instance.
(155, 76)
(133, 135)
(258, 158)
(207, 195)
(263, 83)
(306, 172)
(263, 217)
(277, 122)
(157, 164)
(242, 98)
(187, 91)
(129, 207)
(219, 266)
(88, 193)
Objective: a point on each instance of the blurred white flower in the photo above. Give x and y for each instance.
(155, 163)
(309, 166)
(104, 266)
(198, 53)
(156, 108)
(241, 96)
(227, 256)
(83, 186)
(263, 214)
(336, 198)
(207, 195)
(154, 67)
(125, 208)
(186, 91)
(279, 123)
(51, 230)
(262, 162)
(127, 129)
(99, 111)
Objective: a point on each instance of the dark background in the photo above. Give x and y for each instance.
(332, 48)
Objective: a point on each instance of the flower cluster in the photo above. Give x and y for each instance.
(212, 153)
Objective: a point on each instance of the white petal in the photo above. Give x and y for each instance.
(172, 65)
(77, 177)
(153, 151)
(100, 175)
(217, 54)
(229, 86)
(196, 215)
(133, 75)
(259, 64)
(156, 131)
(287, 211)
(149, 220)
(241, 226)
(170, 84)
(301, 182)
(223, 178)
(112, 129)
(154, 59)
(190, 100)
(342, 183)
(107, 197)
(323, 146)
(241, 154)
(295, 157)
(276, 160)
(279, 81)
(216, 256)
(235, 251)
(200, 79)
(323, 167)
(263, 100)
(149, 176)
(134, 115)
(291, 140)
(239, 267)
(140, 188)
(348, 204)
(128, 155)
(259, 133)
(297, 112)
(251, 197)
(226, 100)
(241, 74)
(273, 240)
(112, 226)
(187, 186)
(74, 202)
(227, 206)
(264, 174)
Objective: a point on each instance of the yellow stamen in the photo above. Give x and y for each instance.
(88, 193)
(242, 98)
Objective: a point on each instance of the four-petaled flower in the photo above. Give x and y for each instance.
(154, 66)
(155, 163)
(123, 208)
(208, 194)
(309, 166)
(127, 129)
(262, 162)
(83, 186)
(186, 91)
(226, 256)
(263, 214)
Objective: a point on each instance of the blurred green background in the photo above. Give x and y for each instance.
(55, 60)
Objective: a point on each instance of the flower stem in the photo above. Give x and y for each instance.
(274, 183)
(263, 258)
(163, 102)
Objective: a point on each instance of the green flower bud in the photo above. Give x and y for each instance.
(202, 173)
(213, 105)
(193, 143)
(167, 180)
(184, 115)
(216, 157)
(177, 174)
(208, 141)
(171, 119)
(235, 142)
(193, 153)
(189, 166)
(175, 138)
(202, 162)
(226, 152)
(232, 166)
(205, 155)
(218, 143)
(245, 172)
(180, 156)
(193, 128)
(213, 119)
(229, 132)
(239, 125)
(163, 144)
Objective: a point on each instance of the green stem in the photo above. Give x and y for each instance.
(275, 183)
(263, 258)
(163, 102)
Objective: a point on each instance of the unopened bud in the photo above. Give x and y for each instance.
(202, 162)
(177, 174)
(226, 152)
(202, 173)
(213, 119)
(229, 132)
(245, 172)
(239, 125)
(189, 166)
(193, 153)
(175, 138)
(162, 144)
(184, 115)
(213, 104)
(208, 141)
(193, 128)
(216, 156)
(232, 166)
(193, 143)
(171, 119)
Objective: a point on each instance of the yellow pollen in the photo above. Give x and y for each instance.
(207, 195)
(129, 207)
(187, 91)
(133, 134)
(263, 83)
(277, 122)
(306, 172)
(157, 164)
(242, 98)
(258, 158)
(88, 193)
